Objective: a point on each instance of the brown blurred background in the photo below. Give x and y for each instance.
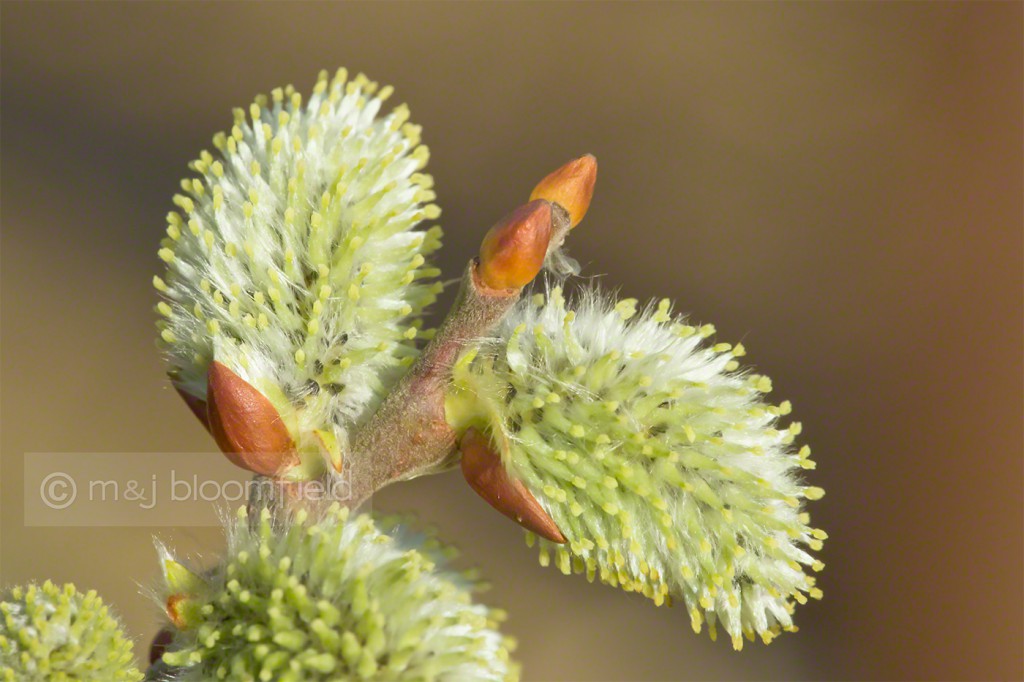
(839, 185)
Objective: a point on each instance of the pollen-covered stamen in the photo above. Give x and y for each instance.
(295, 257)
(513, 251)
(661, 464)
(571, 186)
(246, 425)
(487, 476)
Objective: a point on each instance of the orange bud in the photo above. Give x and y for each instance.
(483, 470)
(513, 251)
(247, 426)
(197, 406)
(571, 187)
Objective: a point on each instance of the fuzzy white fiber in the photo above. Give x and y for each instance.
(294, 257)
(653, 452)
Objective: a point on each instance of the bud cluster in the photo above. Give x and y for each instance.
(630, 447)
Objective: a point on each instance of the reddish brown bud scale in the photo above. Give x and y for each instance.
(513, 251)
(485, 473)
(175, 609)
(160, 643)
(571, 187)
(197, 406)
(246, 425)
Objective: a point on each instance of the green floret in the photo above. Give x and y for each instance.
(657, 458)
(298, 256)
(331, 599)
(58, 634)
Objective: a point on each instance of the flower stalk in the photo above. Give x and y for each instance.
(409, 435)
